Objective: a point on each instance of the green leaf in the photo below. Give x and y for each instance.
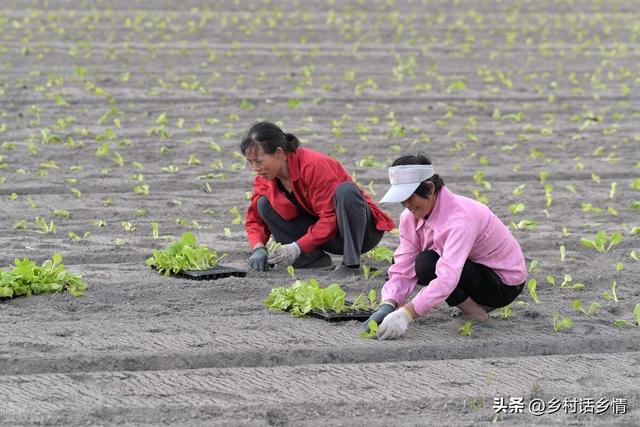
(372, 330)
(531, 286)
(466, 329)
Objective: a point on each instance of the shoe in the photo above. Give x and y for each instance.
(344, 272)
(321, 262)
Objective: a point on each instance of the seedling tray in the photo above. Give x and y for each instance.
(213, 274)
(330, 316)
(218, 272)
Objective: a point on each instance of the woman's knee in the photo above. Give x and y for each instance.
(346, 191)
(426, 266)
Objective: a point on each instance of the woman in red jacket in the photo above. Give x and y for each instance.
(308, 202)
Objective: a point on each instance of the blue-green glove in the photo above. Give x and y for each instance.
(258, 259)
(383, 310)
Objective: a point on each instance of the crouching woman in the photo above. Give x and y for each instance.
(455, 247)
(308, 203)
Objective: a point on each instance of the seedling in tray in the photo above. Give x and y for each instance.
(306, 297)
(188, 259)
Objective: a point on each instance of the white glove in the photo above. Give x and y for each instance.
(395, 324)
(285, 254)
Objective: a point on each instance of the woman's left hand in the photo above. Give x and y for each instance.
(395, 324)
(285, 254)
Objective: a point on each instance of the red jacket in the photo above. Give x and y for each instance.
(314, 177)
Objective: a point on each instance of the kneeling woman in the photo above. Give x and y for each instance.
(308, 202)
(454, 246)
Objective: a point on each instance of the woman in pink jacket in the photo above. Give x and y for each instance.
(454, 246)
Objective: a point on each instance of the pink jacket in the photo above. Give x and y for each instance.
(458, 229)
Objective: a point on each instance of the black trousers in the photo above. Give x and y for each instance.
(477, 282)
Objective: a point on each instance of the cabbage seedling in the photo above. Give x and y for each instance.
(577, 306)
(372, 330)
(561, 323)
(185, 254)
(466, 329)
(613, 296)
(381, 253)
(532, 284)
(601, 239)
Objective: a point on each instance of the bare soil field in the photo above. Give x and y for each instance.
(124, 113)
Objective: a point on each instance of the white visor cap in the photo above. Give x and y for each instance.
(404, 180)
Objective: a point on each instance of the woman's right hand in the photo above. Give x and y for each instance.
(383, 311)
(258, 259)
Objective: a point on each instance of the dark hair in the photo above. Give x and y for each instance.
(423, 189)
(268, 136)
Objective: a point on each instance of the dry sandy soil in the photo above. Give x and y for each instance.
(509, 89)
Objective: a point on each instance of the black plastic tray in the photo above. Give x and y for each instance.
(212, 274)
(329, 316)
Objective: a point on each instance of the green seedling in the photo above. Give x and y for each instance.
(127, 226)
(561, 323)
(532, 284)
(370, 272)
(76, 238)
(193, 160)
(466, 329)
(32, 203)
(155, 230)
(625, 323)
(291, 271)
(305, 295)
(23, 224)
(562, 253)
(185, 254)
(525, 224)
(478, 177)
(76, 193)
(141, 189)
(365, 303)
(381, 253)
(273, 246)
(516, 208)
(372, 330)
(237, 216)
(117, 159)
(567, 282)
(506, 312)
(27, 278)
(602, 242)
(517, 192)
(577, 306)
(634, 255)
(619, 266)
(613, 296)
(61, 213)
(44, 227)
